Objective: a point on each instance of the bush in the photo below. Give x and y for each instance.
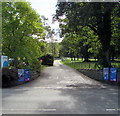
(47, 60)
(9, 76)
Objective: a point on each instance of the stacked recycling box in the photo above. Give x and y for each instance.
(24, 74)
(110, 74)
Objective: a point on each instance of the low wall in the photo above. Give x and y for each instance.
(98, 75)
(10, 77)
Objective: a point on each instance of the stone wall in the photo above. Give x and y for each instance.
(98, 75)
(10, 77)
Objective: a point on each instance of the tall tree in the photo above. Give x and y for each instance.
(99, 18)
(19, 23)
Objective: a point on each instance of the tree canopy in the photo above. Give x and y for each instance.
(100, 17)
(19, 23)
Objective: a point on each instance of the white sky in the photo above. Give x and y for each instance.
(46, 8)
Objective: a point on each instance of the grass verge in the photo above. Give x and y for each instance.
(93, 64)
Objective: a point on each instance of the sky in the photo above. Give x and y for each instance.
(46, 8)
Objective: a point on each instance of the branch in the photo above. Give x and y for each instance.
(9, 48)
(22, 36)
(93, 28)
(113, 17)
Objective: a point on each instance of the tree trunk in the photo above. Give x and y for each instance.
(106, 58)
(112, 52)
(105, 55)
(104, 32)
(74, 58)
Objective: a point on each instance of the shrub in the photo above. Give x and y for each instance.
(47, 60)
(9, 76)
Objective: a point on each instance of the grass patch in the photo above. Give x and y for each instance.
(79, 64)
(68, 65)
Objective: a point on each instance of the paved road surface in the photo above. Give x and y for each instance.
(61, 90)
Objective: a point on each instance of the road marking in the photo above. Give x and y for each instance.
(60, 87)
(31, 109)
(111, 109)
(57, 77)
(53, 87)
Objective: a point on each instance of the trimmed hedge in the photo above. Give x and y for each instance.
(47, 60)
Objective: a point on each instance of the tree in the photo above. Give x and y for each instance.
(99, 18)
(19, 23)
(80, 45)
(49, 32)
(115, 46)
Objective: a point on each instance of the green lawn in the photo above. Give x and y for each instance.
(79, 64)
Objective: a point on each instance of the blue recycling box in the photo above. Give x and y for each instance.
(21, 74)
(27, 74)
(106, 73)
(113, 74)
(4, 61)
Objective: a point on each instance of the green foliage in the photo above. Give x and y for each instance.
(83, 44)
(19, 23)
(115, 40)
(47, 60)
(47, 29)
(93, 64)
(51, 47)
(101, 18)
